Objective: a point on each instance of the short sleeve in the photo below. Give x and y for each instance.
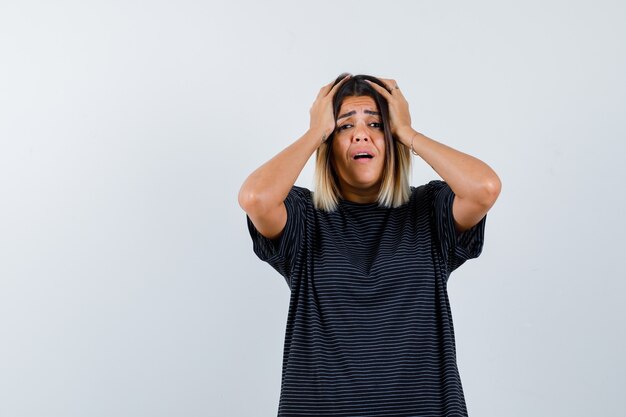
(455, 248)
(281, 253)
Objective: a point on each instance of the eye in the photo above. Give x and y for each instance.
(344, 127)
(376, 125)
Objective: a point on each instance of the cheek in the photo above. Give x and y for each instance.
(339, 147)
(381, 145)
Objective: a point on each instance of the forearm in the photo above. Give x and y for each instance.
(469, 177)
(268, 186)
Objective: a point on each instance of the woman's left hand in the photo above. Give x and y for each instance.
(398, 108)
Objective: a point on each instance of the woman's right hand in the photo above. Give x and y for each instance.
(262, 195)
(322, 115)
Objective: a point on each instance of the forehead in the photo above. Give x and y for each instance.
(357, 103)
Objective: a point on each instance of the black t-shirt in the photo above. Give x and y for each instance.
(369, 329)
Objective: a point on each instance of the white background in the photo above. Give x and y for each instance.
(128, 285)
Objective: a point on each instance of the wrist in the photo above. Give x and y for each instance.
(405, 135)
(319, 133)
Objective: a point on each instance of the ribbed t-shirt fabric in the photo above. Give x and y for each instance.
(369, 329)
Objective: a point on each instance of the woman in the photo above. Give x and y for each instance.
(367, 257)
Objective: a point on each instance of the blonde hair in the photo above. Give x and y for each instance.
(394, 189)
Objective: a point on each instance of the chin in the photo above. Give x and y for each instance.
(367, 182)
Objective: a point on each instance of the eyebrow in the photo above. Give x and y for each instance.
(353, 112)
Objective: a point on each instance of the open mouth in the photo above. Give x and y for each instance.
(363, 155)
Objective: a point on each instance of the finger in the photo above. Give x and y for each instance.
(392, 85)
(324, 90)
(383, 91)
(400, 94)
(389, 83)
(339, 84)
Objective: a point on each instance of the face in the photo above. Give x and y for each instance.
(358, 148)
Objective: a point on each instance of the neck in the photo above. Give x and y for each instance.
(361, 194)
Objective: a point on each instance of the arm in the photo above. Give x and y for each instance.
(475, 185)
(263, 193)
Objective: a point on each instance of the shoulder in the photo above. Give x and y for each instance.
(301, 195)
(298, 199)
(300, 191)
(436, 185)
(427, 190)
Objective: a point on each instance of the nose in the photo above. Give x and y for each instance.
(360, 134)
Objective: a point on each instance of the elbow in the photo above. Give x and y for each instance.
(492, 190)
(250, 201)
(247, 199)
